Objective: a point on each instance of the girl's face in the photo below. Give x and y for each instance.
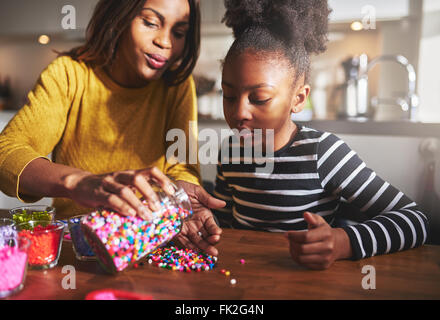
(259, 93)
(154, 41)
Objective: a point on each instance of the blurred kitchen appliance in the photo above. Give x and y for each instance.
(354, 94)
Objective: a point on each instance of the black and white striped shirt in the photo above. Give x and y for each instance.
(317, 172)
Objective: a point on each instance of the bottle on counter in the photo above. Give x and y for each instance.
(120, 241)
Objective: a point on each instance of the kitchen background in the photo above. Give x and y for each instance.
(388, 109)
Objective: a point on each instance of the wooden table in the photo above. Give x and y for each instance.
(268, 273)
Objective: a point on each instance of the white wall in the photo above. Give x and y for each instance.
(429, 64)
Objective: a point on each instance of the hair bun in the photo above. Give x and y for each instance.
(301, 23)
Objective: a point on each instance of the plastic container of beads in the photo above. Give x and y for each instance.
(81, 248)
(46, 240)
(27, 213)
(120, 241)
(13, 264)
(7, 229)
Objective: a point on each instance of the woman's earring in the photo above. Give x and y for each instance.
(295, 109)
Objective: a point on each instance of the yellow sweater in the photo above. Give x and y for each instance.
(87, 121)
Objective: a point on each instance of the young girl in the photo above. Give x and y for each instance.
(103, 110)
(265, 80)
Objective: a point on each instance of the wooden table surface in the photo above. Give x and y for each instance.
(268, 273)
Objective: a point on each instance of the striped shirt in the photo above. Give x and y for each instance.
(318, 172)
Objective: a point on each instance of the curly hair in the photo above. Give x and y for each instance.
(295, 28)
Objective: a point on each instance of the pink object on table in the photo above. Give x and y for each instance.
(111, 294)
(12, 267)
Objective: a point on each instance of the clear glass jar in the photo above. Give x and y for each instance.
(81, 248)
(46, 240)
(119, 241)
(13, 264)
(36, 212)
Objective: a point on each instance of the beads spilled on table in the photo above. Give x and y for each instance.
(185, 260)
(128, 239)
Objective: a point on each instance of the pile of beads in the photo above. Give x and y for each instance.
(119, 241)
(46, 239)
(184, 260)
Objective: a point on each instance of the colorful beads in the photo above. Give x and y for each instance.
(184, 260)
(118, 240)
(12, 269)
(45, 240)
(36, 213)
(242, 261)
(6, 230)
(233, 281)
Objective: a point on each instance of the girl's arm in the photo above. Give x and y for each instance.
(394, 221)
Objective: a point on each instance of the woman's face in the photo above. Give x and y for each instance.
(154, 41)
(259, 93)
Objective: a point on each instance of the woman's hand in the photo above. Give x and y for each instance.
(117, 190)
(200, 231)
(319, 246)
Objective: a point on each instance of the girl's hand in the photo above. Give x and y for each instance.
(321, 245)
(117, 190)
(200, 231)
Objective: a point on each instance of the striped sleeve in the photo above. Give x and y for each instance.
(394, 221)
(224, 192)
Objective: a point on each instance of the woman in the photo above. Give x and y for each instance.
(103, 110)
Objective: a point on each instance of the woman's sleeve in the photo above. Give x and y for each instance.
(183, 119)
(35, 129)
(394, 221)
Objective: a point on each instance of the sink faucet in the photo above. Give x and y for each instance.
(409, 103)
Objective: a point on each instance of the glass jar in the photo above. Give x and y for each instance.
(7, 229)
(37, 212)
(13, 264)
(81, 248)
(46, 240)
(119, 241)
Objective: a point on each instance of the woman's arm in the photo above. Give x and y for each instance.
(33, 133)
(111, 190)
